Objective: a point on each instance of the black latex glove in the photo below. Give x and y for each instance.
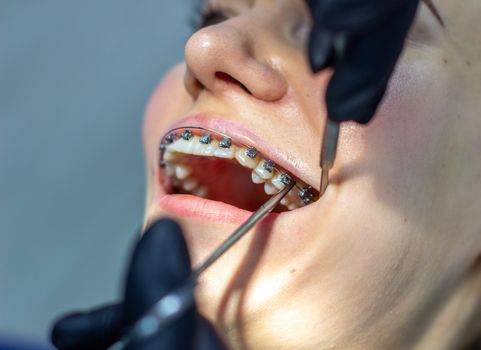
(362, 40)
(160, 263)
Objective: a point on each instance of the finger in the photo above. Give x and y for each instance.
(160, 263)
(362, 74)
(177, 335)
(354, 15)
(321, 51)
(206, 337)
(358, 83)
(94, 330)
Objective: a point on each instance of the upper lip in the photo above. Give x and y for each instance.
(242, 134)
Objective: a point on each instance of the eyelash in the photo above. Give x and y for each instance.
(208, 15)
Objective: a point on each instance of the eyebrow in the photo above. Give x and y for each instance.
(434, 10)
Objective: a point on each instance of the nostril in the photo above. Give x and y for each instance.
(226, 77)
(231, 80)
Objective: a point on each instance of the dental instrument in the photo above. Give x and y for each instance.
(174, 304)
(328, 151)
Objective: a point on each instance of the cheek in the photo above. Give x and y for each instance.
(402, 142)
(413, 114)
(168, 102)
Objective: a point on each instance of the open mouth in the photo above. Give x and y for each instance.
(209, 164)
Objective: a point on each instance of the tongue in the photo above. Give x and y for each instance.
(228, 182)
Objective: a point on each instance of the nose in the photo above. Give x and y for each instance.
(223, 57)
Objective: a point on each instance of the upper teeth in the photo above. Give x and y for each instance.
(263, 170)
(245, 159)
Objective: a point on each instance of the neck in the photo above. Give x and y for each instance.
(458, 324)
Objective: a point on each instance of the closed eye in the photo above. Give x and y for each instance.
(208, 14)
(211, 16)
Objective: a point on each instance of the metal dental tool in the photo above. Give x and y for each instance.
(173, 305)
(328, 151)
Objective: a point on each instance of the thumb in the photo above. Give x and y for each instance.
(321, 50)
(159, 264)
(206, 336)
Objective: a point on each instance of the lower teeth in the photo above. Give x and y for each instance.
(175, 146)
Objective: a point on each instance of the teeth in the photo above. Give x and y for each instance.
(203, 149)
(305, 195)
(200, 191)
(170, 156)
(265, 169)
(270, 189)
(292, 206)
(269, 165)
(183, 146)
(225, 152)
(190, 183)
(182, 171)
(171, 137)
(187, 135)
(256, 178)
(205, 139)
(169, 170)
(226, 142)
(292, 200)
(251, 152)
(299, 196)
(245, 160)
(280, 180)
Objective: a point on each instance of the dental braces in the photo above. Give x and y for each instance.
(305, 194)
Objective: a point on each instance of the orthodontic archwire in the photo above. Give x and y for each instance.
(171, 136)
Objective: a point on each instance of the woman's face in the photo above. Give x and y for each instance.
(380, 261)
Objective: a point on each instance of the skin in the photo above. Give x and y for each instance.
(390, 258)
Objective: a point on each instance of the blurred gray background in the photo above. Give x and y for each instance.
(74, 79)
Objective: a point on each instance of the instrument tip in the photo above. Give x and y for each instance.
(324, 180)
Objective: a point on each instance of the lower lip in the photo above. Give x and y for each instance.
(193, 207)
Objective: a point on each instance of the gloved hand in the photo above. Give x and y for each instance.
(362, 40)
(159, 264)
